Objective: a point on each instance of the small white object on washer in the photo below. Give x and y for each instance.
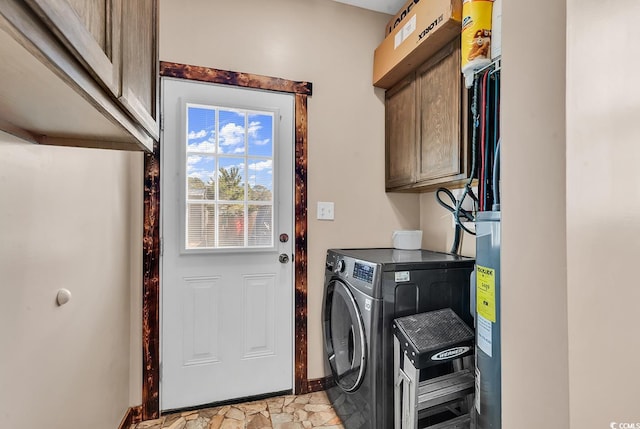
(407, 240)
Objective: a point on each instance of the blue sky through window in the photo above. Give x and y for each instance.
(232, 132)
(260, 135)
(201, 132)
(244, 137)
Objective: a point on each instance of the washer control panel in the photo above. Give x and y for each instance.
(359, 274)
(364, 272)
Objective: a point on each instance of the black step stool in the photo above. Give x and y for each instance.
(425, 340)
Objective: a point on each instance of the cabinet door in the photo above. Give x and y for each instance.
(400, 133)
(90, 30)
(140, 62)
(439, 91)
(116, 41)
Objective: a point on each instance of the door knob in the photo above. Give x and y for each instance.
(284, 258)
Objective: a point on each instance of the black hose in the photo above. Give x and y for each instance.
(457, 212)
(474, 128)
(474, 145)
(487, 147)
(498, 137)
(455, 246)
(496, 174)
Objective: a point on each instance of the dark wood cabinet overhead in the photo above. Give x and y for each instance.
(400, 133)
(425, 138)
(80, 73)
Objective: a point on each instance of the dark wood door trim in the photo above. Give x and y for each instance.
(151, 233)
(151, 286)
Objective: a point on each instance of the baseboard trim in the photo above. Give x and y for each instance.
(319, 384)
(132, 415)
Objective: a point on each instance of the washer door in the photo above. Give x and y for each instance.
(344, 336)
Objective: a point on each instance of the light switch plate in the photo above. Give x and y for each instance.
(325, 210)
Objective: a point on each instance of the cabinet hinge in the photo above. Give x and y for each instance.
(161, 121)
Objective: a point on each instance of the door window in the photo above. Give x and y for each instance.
(229, 178)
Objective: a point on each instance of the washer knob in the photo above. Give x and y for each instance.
(340, 266)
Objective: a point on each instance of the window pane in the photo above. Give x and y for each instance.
(232, 132)
(200, 177)
(231, 179)
(201, 129)
(260, 179)
(229, 163)
(260, 134)
(260, 225)
(201, 226)
(231, 228)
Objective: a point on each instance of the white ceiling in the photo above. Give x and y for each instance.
(384, 6)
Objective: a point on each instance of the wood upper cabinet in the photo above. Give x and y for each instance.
(140, 72)
(104, 51)
(90, 29)
(425, 137)
(116, 41)
(400, 133)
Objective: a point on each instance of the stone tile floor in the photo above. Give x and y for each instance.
(282, 412)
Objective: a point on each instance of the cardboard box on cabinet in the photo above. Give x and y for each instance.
(405, 10)
(425, 28)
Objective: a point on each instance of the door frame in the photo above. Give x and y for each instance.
(150, 408)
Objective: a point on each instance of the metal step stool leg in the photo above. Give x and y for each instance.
(397, 385)
(410, 395)
(459, 365)
(469, 363)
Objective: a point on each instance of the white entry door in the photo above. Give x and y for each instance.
(227, 243)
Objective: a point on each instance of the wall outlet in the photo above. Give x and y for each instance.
(325, 210)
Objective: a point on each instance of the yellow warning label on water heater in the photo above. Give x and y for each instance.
(486, 292)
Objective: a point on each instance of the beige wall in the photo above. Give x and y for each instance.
(603, 212)
(535, 390)
(330, 45)
(65, 223)
(437, 227)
